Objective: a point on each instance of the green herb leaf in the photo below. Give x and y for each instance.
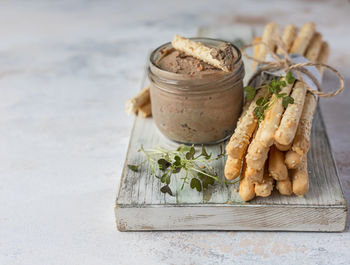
(206, 180)
(262, 101)
(287, 100)
(190, 154)
(166, 189)
(165, 178)
(290, 78)
(177, 165)
(259, 113)
(250, 92)
(133, 168)
(176, 170)
(163, 164)
(195, 183)
(183, 148)
(204, 153)
(177, 161)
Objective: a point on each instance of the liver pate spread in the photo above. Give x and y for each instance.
(178, 62)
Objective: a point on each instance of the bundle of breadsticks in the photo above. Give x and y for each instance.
(273, 152)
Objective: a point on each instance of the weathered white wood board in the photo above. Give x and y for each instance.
(141, 206)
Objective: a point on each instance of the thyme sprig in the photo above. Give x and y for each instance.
(274, 87)
(166, 164)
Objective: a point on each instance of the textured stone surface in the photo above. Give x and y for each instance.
(66, 70)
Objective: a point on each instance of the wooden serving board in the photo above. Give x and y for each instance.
(141, 206)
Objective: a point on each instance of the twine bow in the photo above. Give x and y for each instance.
(285, 63)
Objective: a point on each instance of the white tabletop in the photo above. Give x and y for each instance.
(66, 69)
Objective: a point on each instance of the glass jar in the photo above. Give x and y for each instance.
(200, 108)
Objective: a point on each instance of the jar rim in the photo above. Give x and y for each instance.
(203, 39)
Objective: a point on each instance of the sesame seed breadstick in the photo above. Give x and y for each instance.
(256, 51)
(255, 176)
(301, 142)
(314, 48)
(289, 34)
(282, 147)
(290, 120)
(247, 103)
(285, 133)
(323, 57)
(221, 59)
(304, 37)
(268, 37)
(132, 105)
(145, 110)
(284, 186)
(246, 187)
(300, 178)
(293, 159)
(232, 168)
(277, 168)
(238, 144)
(265, 187)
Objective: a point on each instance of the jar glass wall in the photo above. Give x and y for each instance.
(196, 109)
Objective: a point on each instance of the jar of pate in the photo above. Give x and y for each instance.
(196, 107)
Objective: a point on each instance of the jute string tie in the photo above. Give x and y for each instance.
(284, 62)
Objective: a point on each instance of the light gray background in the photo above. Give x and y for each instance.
(66, 69)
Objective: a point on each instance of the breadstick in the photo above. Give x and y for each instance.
(145, 110)
(264, 188)
(255, 176)
(256, 51)
(268, 37)
(293, 159)
(232, 168)
(304, 37)
(284, 187)
(246, 187)
(290, 120)
(323, 57)
(288, 37)
(277, 169)
(257, 47)
(282, 147)
(132, 105)
(300, 178)
(220, 58)
(314, 48)
(301, 142)
(238, 144)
